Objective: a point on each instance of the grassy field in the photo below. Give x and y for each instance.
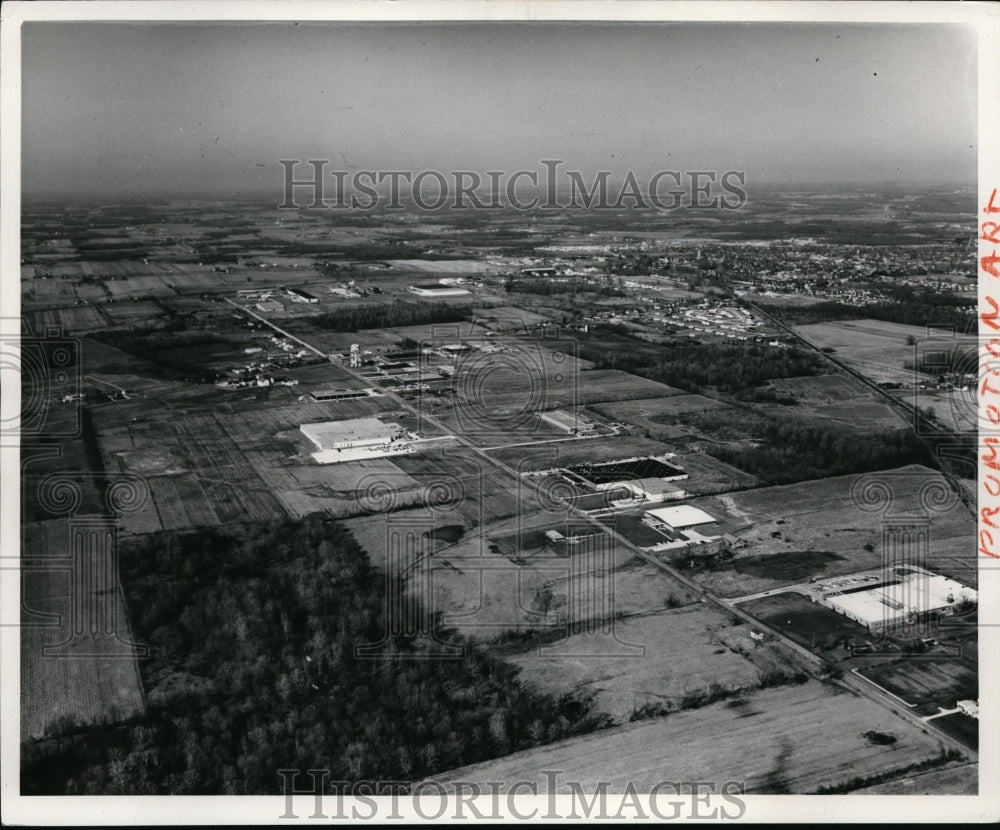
(485, 589)
(960, 726)
(708, 475)
(69, 321)
(458, 480)
(805, 621)
(91, 690)
(791, 565)
(685, 650)
(790, 739)
(876, 349)
(962, 779)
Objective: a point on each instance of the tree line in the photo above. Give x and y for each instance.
(793, 449)
(397, 314)
(738, 370)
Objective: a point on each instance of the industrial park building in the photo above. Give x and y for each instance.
(437, 290)
(355, 432)
(898, 600)
(569, 421)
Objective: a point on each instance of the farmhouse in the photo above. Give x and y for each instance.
(969, 707)
(354, 432)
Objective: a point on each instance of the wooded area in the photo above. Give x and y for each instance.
(253, 669)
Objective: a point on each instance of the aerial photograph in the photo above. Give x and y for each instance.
(451, 407)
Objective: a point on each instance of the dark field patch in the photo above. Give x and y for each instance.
(790, 565)
(805, 621)
(961, 727)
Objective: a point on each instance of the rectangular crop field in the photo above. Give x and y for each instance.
(790, 739)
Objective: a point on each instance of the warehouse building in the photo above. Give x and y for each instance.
(680, 517)
(300, 296)
(437, 290)
(568, 421)
(647, 489)
(899, 600)
(354, 432)
(336, 394)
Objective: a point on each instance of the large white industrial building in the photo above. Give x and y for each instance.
(899, 599)
(355, 432)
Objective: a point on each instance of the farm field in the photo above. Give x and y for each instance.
(88, 690)
(457, 479)
(223, 484)
(508, 318)
(686, 650)
(133, 313)
(877, 349)
(486, 594)
(790, 739)
(485, 587)
(68, 321)
(640, 410)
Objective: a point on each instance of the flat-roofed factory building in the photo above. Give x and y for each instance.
(437, 290)
(568, 421)
(355, 432)
(885, 603)
(645, 489)
(338, 394)
(681, 517)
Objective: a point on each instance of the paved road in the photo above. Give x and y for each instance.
(810, 660)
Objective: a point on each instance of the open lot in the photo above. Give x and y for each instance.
(808, 623)
(877, 349)
(685, 651)
(962, 779)
(791, 739)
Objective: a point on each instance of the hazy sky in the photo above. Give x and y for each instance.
(150, 108)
